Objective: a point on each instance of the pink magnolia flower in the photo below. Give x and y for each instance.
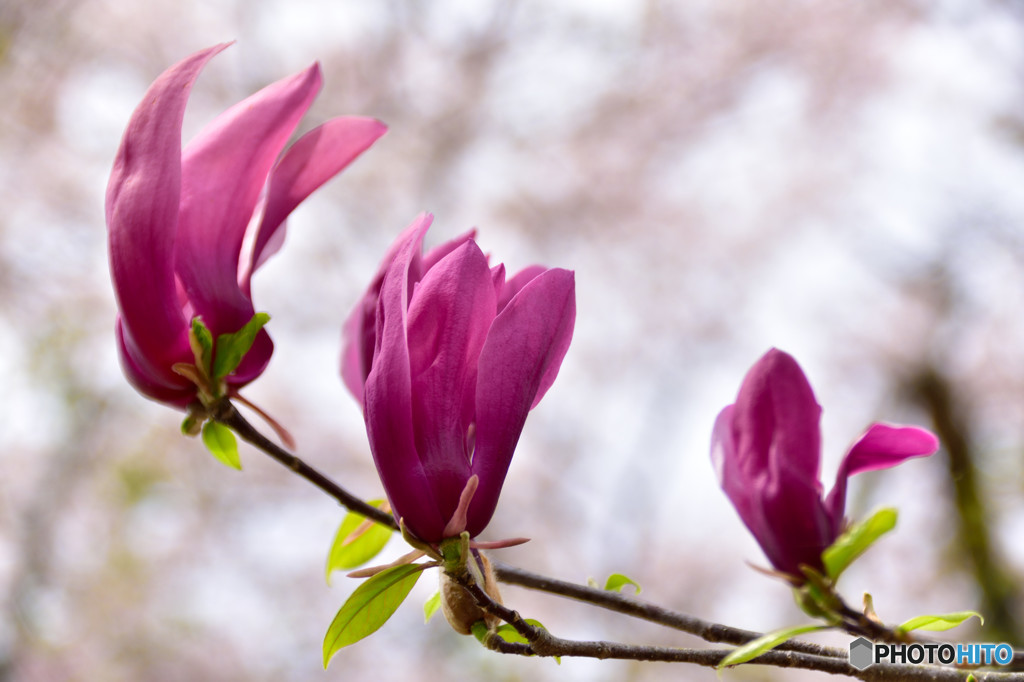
(447, 357)
(766, 449)
(177, 219)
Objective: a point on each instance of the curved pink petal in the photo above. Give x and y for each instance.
(359, 332)
(315, 158)
(142, 210)
(881, 447)
(524, 349)
(388, 401)
(449, 315)
(777, 420)
(784, 514)
(511, 286)
(224, 171)
(766, 450)
(431, 257)
(141, 377)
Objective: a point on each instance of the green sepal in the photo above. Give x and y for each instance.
(201, 341)
(356, 542)
(370, 606)
(856, 540)
(616, 581)
(766, 642)
(231, 348)
(220, 441)
(817, 596)
(937, 623)
(431, 606)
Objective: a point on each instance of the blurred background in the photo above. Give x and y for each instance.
(844, 181)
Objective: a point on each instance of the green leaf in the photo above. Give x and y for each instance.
(856, 540)
(431, 606)
(356, 542)
(222, 444)
(616, 581)
(201, 341)
(945, 621)
(767, 642)
(508, 633)
(370, 606)
(231, 348)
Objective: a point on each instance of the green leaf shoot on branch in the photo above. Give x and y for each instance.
(357, 541)
(937, 623)
(856, 540)
(231, 348)
(766, 642)
(507, 632)
(616, 581)
(222, 444)
(370, 606)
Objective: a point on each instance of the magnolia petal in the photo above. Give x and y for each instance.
(766, 451)
(777, 420)
(388, 402)
(882, 446)
(781, 521)
(314, 159)
(224, 171)
(179, 393)
(431, 257)
(449, 315)
(359, 333)
(524, 349)
(142, 210)
(511, 287)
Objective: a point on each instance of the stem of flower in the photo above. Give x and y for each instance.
(226, 414)
(792, 654)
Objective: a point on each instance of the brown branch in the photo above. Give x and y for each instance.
(631, 606)
(227, 415)
(792, 654)
(541, 642)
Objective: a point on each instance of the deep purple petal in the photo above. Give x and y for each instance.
(177, 396)
(224, 171)
(777, 421)
(765, 449)
(359, 335)
(314, 159)
(388, 400)
(524, 348)
(882, 446)
(785, 516)
(142, 210)
(449, 315)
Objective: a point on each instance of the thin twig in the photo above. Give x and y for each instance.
(792, 654)
(631, 606)
(229, 416)
(543, 643)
